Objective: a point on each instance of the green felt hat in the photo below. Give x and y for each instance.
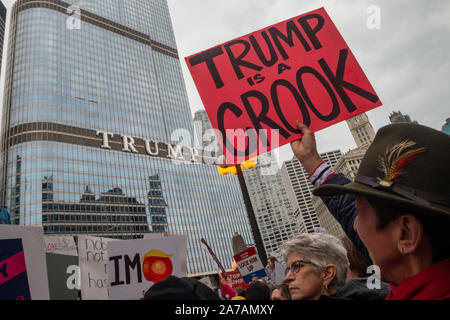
(407, 165)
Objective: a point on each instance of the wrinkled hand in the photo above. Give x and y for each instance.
(305, 149)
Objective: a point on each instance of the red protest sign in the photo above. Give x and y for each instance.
(236, 281)
(255, 87)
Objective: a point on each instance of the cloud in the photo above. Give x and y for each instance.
(406, 60)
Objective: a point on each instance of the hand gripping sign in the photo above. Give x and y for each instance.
(255, 87)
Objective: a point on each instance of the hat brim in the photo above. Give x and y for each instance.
(359, 189)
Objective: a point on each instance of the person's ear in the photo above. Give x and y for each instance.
(411, 234)
(328, 274)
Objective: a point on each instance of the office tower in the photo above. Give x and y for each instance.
(271, 205)
(94, 94)
(398, 117)
(349, 163)
(2, 29)
(361, 129)
(204, 134)
(299, 189)
(363, 134)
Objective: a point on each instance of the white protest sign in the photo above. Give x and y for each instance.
(61, 245)
(249, 264)
(135, 265)
(182, 239)
(93, 262)
(28, 270)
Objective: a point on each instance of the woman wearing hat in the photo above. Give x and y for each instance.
(398, 207)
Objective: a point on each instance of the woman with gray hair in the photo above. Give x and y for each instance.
(316, 265)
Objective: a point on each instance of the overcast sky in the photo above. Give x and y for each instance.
(406, 60)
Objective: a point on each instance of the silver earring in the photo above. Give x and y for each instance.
(326, 288)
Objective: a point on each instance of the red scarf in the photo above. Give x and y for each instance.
(432, 283)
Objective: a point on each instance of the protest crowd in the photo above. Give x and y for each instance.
(395, 213)
(389, 224)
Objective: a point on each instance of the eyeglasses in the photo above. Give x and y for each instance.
(297, 265)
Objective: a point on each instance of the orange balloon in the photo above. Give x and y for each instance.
(250, 163)
(156, 265)
(223, 171)
(157, 269)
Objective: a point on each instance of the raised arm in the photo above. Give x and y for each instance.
(342, 207)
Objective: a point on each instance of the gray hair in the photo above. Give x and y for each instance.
(320, 249)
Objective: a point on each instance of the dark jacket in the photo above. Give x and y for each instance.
(356, 289)
(342, 207)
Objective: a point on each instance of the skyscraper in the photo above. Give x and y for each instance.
(361, 129)
(398, 117)
(204, 133)
(349, 163)
(2, 28)
(363, 135)
(270, 202)
(299, 190)
(94, 95)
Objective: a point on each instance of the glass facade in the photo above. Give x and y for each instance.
(94, 78)
(271, 203)
(118, 72)
(2, 28)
